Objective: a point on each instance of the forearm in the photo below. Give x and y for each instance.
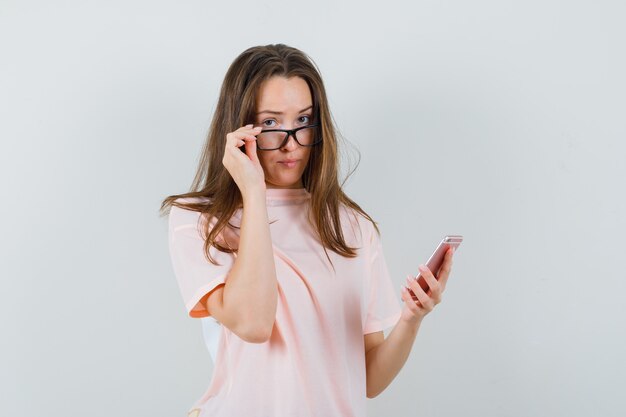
(251, 288)
(384, 361)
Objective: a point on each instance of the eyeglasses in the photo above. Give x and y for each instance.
(271, 139)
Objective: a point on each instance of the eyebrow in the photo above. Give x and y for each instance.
(277, 112)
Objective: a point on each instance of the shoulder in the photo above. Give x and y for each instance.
(187, 221)
(356, 224)
(180, 216)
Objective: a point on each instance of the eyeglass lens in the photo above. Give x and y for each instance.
(273, 140)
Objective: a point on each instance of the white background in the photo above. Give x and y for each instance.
(503, 121)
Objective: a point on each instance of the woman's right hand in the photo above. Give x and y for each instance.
(245, 168)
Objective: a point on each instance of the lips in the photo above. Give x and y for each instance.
(289, 163)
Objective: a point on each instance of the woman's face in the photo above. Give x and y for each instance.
(284, 103)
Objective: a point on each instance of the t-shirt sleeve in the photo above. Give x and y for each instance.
(195, 274)
(382, 302)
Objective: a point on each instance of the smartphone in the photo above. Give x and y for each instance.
(436, 259)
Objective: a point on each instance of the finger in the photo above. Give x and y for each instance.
(433, 284)
(249, 129)
(446, 268)
(421, 295)
(233, 150)
(411, 304)
(238, 139)
(410, 281)
(414, 306)
(244, 134)
(251, 149)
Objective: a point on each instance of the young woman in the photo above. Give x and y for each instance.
(268, 244)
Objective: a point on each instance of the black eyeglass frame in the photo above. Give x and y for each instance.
(289, 132)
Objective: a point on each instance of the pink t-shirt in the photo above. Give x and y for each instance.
(314, 362)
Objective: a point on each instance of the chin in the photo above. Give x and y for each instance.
(286, 182)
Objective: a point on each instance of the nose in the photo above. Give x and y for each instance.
(291, 143)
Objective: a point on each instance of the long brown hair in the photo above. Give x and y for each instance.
(236, 108)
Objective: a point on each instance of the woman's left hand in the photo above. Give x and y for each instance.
(415, 310)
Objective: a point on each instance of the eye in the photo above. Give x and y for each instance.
(265, 122)
(306, 121)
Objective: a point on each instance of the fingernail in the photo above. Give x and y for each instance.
(422, 268)
(249, 125)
